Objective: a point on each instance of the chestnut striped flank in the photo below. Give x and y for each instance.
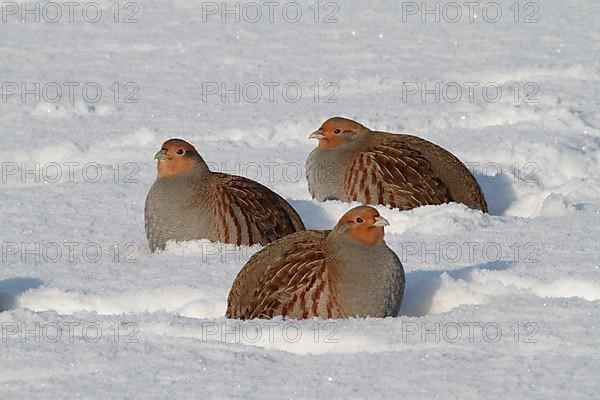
(222, 210)
(394, 174)
(298, 284)
(249, 213)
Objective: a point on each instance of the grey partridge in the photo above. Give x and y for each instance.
(353, 163)
(189, 202)
(346, 272)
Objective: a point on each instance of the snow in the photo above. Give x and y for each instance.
(505, 304)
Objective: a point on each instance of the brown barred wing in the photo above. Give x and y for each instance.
(394, 174)
(249, 213)
(289, 278)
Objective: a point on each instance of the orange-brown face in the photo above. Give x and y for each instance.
(176, 157)
(335, 131)
(363, 224)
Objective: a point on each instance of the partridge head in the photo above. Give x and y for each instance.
(177, 158)
(363, 225)
(337, 131)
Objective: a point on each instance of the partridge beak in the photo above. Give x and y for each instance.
(161, 155)
(380, 221)
(317, 135)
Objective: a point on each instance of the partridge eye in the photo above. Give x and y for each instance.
(359, 220)
(337, 131)
(180, 152)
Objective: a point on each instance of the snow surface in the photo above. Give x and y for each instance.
(500, 305)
